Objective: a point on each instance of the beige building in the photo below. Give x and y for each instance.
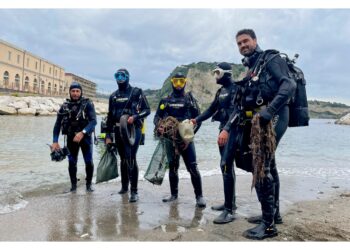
(23, 71)
(89, 87)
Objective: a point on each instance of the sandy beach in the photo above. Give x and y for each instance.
(55, 215)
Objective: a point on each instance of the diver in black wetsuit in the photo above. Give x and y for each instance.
(182, 106)
(77, 118)
(131, 101)
(267, 96)
(220, 110)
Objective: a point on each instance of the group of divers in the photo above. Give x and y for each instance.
(265, 98)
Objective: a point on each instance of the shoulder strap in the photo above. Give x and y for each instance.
(266, 57)
(127, 103)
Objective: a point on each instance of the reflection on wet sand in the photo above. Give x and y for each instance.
(176, 223)
(86, 221)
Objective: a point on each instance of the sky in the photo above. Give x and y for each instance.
(150, 43)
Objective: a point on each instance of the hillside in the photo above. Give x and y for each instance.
(200, 81)
(203, 86)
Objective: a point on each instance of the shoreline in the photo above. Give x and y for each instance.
(107, 216)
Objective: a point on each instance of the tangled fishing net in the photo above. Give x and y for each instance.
(263, 146)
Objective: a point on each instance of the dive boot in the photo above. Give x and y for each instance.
(170, 198)
(200, 202)
(258, 219)
(123, 191)
(261, 232)
(224, 217)
(133, 197)
(73, 188)
(222, 207)
(89, 188)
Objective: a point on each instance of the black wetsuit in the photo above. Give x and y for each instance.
(269, 95)
(74, 117)
(220, 109)
(127, 100)
(181, 106)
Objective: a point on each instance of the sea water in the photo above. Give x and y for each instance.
(320, 150)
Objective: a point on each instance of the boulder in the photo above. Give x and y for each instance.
(43, 112)
(27, 111)
(46, 107)
(345, 120)
(5, 100)
(18, 104)
(6, 110)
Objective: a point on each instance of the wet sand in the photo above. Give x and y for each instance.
(312, 210)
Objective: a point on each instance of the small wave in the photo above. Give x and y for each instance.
(11, 201)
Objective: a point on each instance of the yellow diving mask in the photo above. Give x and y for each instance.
(178, 82)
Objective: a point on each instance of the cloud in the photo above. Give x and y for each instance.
(152, 42)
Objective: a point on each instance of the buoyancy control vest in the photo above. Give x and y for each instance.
(74, 116)
(180, 107)
(225, 97)
(298, 105)
(126, 102)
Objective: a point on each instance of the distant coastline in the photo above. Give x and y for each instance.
(11, 104)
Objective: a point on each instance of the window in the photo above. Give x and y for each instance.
(18, 59)
(43, 67)
(6, 78)
(9, 56)
(49, 88)
(27, 62)
(26, 83)
(56, 72)
(50, 70)
(42, 87)
(35, 85)
(55, 88)
(36, 65)
(17, 80)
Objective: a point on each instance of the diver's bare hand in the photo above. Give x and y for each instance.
(55, 146)
(77, 138)
(223, 137)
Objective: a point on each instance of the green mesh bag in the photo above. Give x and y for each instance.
(158, 164)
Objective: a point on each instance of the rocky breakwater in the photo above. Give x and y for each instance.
(345, 120)
(33, 105)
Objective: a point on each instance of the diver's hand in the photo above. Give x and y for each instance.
(223, 137)
(55, 146)
(265, 117)
(108, 141)
(194, 122)
(131, 120)
(77, 138)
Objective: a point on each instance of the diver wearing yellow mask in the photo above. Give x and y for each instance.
(182, 106)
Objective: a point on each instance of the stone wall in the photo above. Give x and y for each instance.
(34, 105)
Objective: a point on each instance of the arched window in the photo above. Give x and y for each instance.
(49, 88)
(26, 83)
(42, 87)
(6, 78)
(61, 89)
(55, 88)
(17, 80)
(35, 85)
